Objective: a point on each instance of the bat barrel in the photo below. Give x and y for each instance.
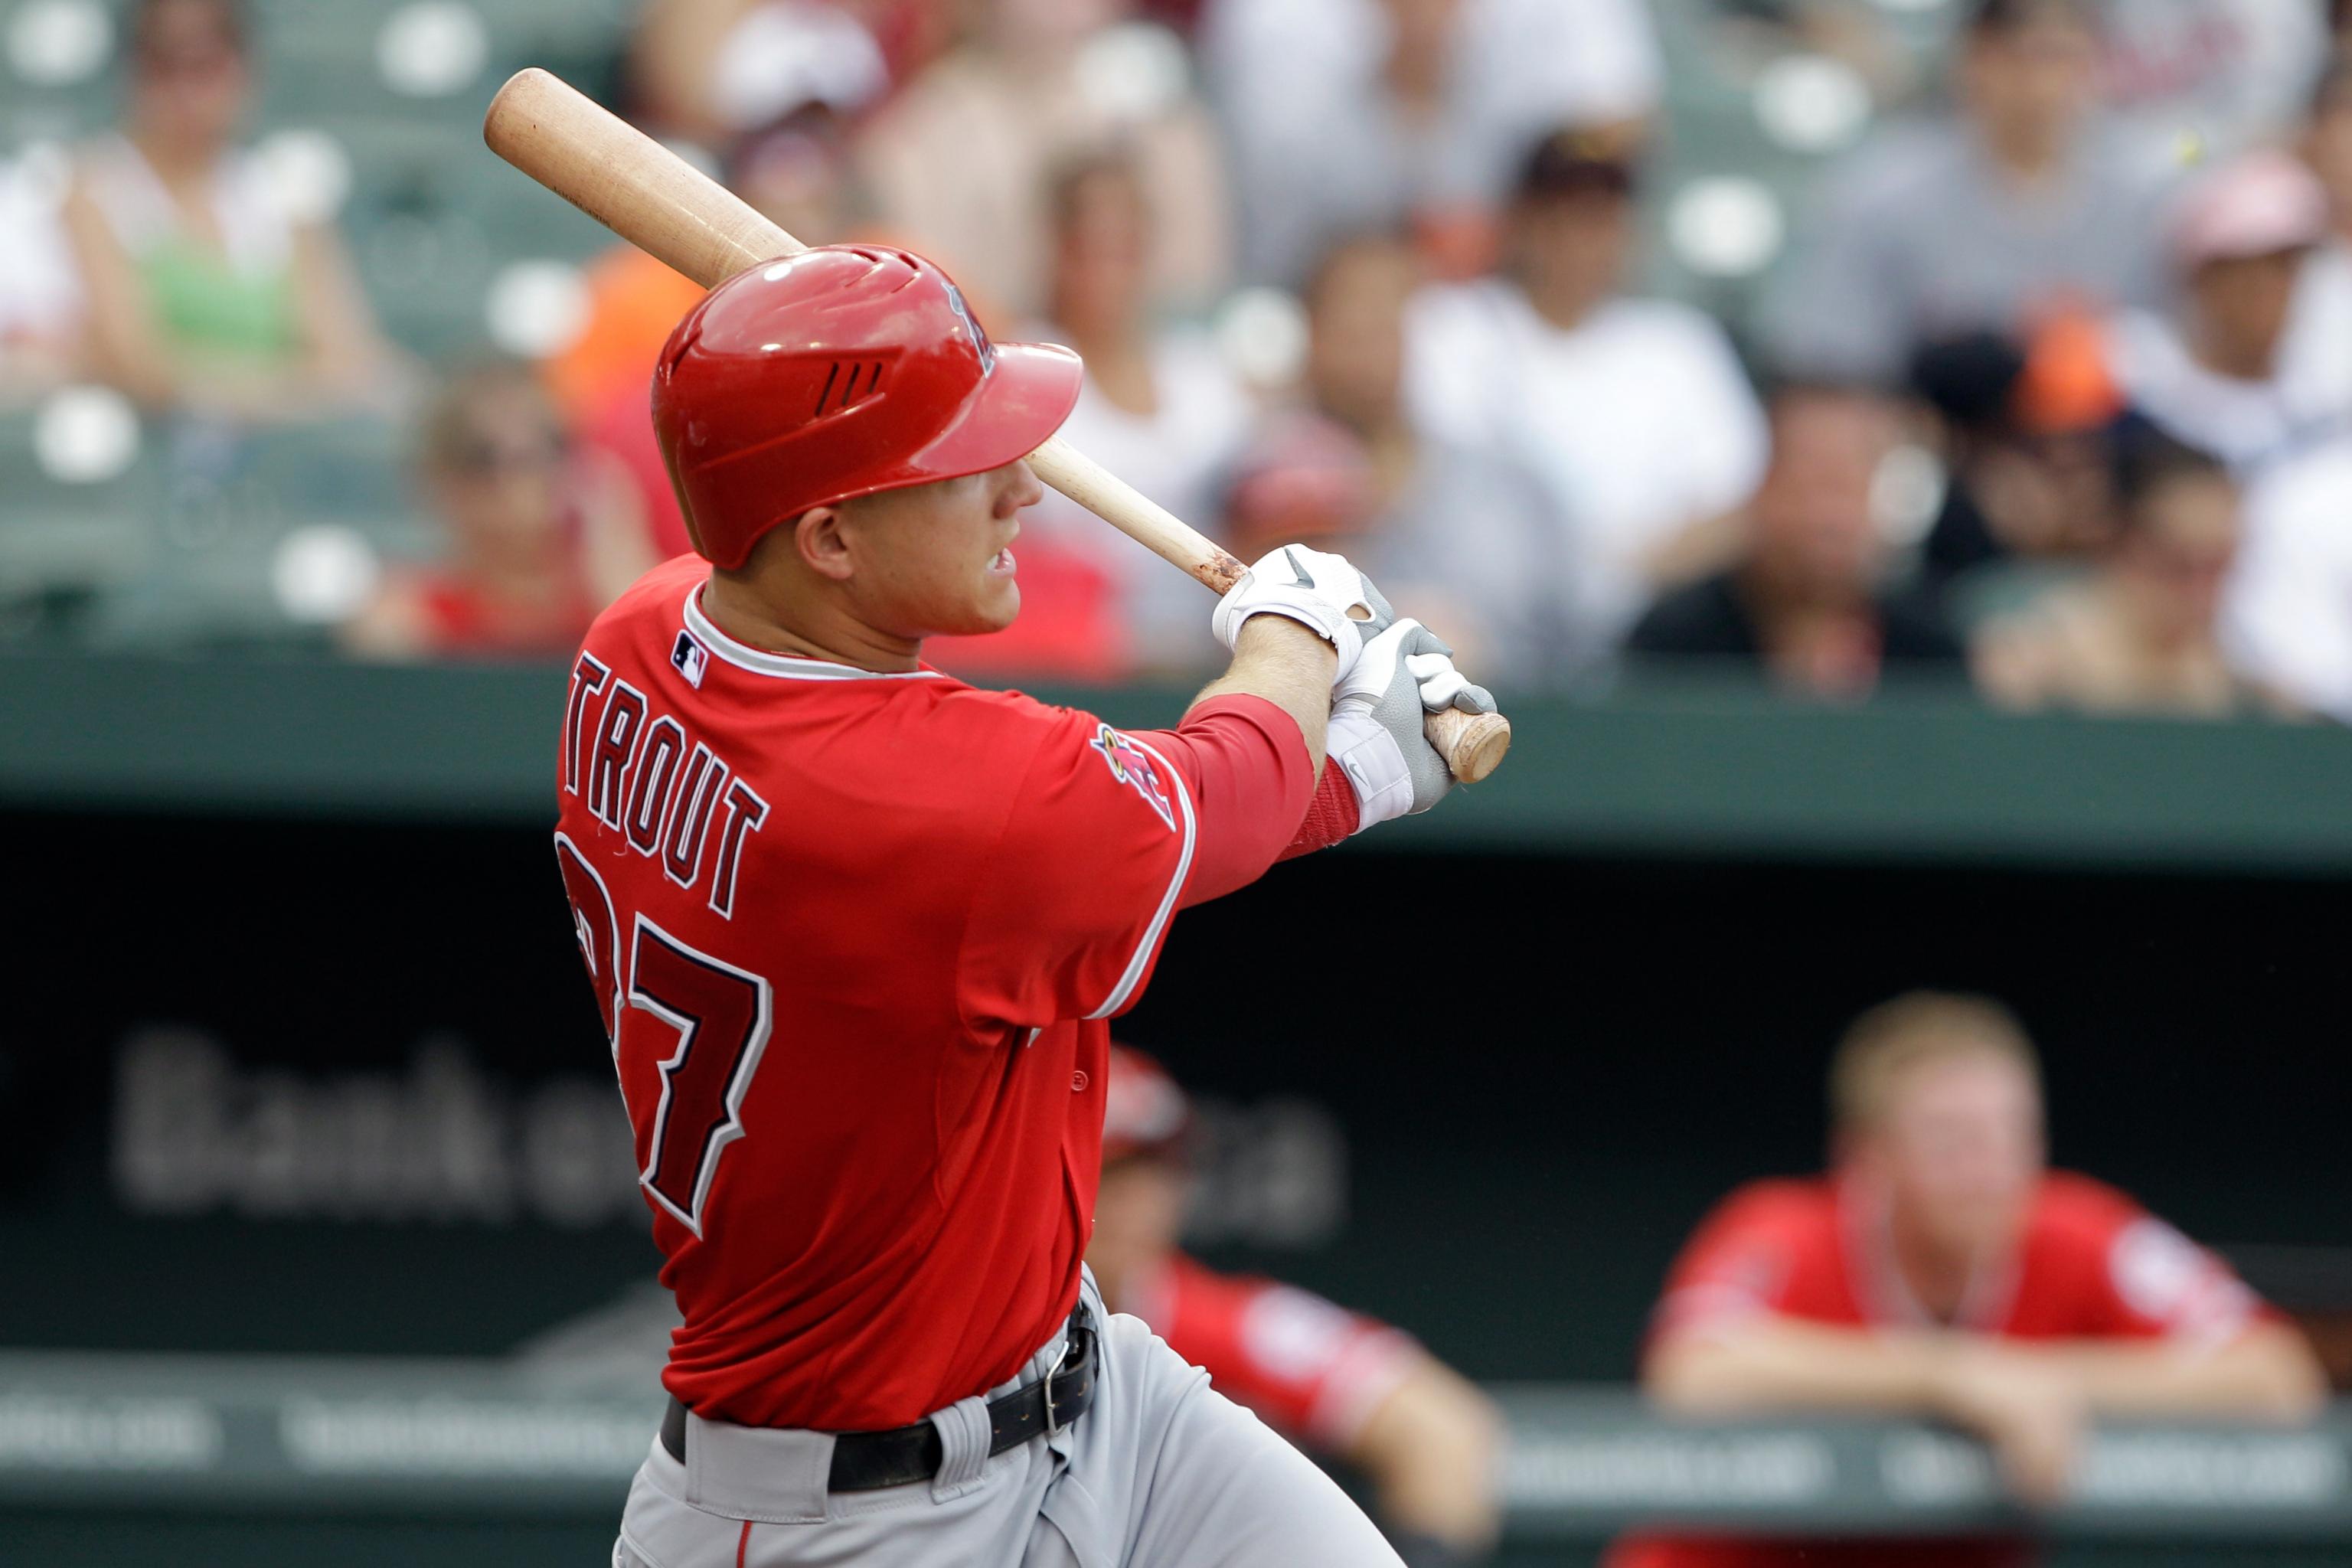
(626, 181)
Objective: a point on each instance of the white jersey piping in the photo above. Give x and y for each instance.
(742, 655)
(1141, 959)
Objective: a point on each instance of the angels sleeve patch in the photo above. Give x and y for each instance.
(1133, 766)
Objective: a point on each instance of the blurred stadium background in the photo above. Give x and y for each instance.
(315, 1195)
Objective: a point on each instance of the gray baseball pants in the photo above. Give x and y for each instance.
(1162, 1472)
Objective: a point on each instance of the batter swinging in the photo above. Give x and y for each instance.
(856, 927)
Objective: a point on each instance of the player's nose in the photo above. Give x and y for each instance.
(1021, 489)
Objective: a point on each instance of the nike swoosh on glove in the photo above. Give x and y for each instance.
(1314, 587)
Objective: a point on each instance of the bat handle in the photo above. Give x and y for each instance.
(1472, 743)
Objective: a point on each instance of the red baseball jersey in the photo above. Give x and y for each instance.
(2091, 1263)
(854, 936)
(1311, 1370)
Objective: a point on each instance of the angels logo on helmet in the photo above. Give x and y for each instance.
(972, 324)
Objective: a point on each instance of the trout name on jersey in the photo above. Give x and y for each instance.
(640, 775)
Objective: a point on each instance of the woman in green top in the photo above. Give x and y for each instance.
(204, 291)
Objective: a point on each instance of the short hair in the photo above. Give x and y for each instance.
(1914, 1028)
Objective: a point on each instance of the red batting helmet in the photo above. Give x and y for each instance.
(836, 372)
(1144, 1110)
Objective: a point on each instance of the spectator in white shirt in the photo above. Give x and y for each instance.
(2232, 369)
(1348, 116)
(2286, 618)
(1634, 413)
(2020, 205)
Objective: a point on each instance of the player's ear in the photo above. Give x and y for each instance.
(818, 536)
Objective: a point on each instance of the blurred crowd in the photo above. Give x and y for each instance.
(2049, 387)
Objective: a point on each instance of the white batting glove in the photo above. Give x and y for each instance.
(1314, 587)
(1377, 712)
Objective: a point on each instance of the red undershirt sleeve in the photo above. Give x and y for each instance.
(1332, 815)
(1246, 767)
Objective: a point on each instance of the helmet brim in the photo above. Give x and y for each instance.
(1020, 402)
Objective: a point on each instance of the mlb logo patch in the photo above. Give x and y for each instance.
(690, 659)
(1133, 766)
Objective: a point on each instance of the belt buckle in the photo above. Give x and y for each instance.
(1053, 1417)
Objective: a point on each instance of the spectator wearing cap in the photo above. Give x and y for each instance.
(536, 544)
(1940, 1269)
(2232, 368)
(1347, 116)
(1465, 537)
(2140, 633)
(1160, 407)
(961, 162)
(2024, 432)
(1634, 414)
(1334, 1382)
(2020, 202)
(1807, 603)
(204, 287)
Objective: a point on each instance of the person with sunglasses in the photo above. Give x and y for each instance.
(540, 536)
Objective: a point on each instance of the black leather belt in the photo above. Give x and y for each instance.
(868, 1461)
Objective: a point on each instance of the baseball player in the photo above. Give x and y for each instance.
(1940, 1269)
(1335, 1382)
(854, 928)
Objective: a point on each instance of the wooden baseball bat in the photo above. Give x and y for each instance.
(650, 197)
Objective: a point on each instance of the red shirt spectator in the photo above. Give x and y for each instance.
(1311, 1370)
(1333, 1381)
(2089, 1262)
(1941, 1270)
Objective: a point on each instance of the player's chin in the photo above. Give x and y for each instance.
(992, 606)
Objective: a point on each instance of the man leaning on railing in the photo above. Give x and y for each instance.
(1940, 1269)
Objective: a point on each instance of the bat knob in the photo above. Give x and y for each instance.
(1473, 744)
